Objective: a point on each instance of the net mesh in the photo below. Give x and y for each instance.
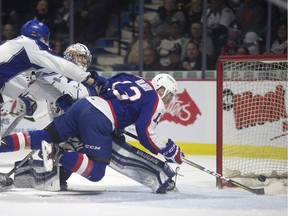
(255, 125)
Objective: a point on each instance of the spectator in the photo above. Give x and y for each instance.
(233, 41)
(251, 42)
(193, 58)
(196, 36)
(235, 32)
(61, 23)
(219, 19)
(15, 11)
(174, 37)
(193, 13)
(149, 41)
(230, 48)
(151, 61)
(9, 32)
(43, 14)
(250, 16)
(174, 59)
(165, 13)
(57, 46)
(242, 51)
(91, 20)
(279, 45)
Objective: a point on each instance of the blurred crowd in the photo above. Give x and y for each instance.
(172, 35)
(91, 18)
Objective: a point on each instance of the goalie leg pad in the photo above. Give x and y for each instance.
(142, 167)
(32, 174)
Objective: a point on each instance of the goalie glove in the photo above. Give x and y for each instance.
(172, 152)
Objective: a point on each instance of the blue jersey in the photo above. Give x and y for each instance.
(133, 100)
(23, 55)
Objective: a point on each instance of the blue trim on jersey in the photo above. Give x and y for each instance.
(16, 65)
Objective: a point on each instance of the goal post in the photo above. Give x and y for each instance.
(252, 116)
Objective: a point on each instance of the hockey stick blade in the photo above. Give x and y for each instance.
(258, 191)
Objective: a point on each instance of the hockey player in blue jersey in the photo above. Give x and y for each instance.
(23, 58)
(125, 100)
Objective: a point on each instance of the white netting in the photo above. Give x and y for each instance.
(255, 124)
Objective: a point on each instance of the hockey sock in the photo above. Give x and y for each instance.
(80, 163)
(24, 140)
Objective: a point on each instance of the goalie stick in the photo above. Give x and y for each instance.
(13, 125)
(258, 191)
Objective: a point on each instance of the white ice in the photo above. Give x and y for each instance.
(118, 195)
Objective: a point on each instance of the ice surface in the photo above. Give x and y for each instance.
(118, 195)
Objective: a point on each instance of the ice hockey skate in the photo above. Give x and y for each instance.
(51, 155)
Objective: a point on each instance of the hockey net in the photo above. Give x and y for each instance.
(252, 111)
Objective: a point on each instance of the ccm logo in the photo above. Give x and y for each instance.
(92, 147)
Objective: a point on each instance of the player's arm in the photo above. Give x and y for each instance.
(146, 131)
(53, 63)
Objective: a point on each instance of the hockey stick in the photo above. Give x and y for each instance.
(131, 135)
(258, 191)
(276, 137)
(4, 177)
(13, 125)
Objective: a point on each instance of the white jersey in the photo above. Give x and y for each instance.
(23, 58)
(66, 86)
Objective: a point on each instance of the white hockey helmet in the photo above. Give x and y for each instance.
(169, 83)
(79, 54)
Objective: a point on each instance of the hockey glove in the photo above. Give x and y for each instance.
(172, 152)
(119, 135)
(101, 84)
(24, 105)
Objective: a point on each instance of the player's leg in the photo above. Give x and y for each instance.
(24, 140)
(94, 128)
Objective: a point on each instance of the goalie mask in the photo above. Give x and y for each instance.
(169, 85)
(79, 54)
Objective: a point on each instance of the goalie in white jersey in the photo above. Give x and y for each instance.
(69, 90)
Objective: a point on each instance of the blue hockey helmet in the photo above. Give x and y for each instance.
(36, 29)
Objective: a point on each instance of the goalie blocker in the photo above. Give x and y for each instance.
(126, 159)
